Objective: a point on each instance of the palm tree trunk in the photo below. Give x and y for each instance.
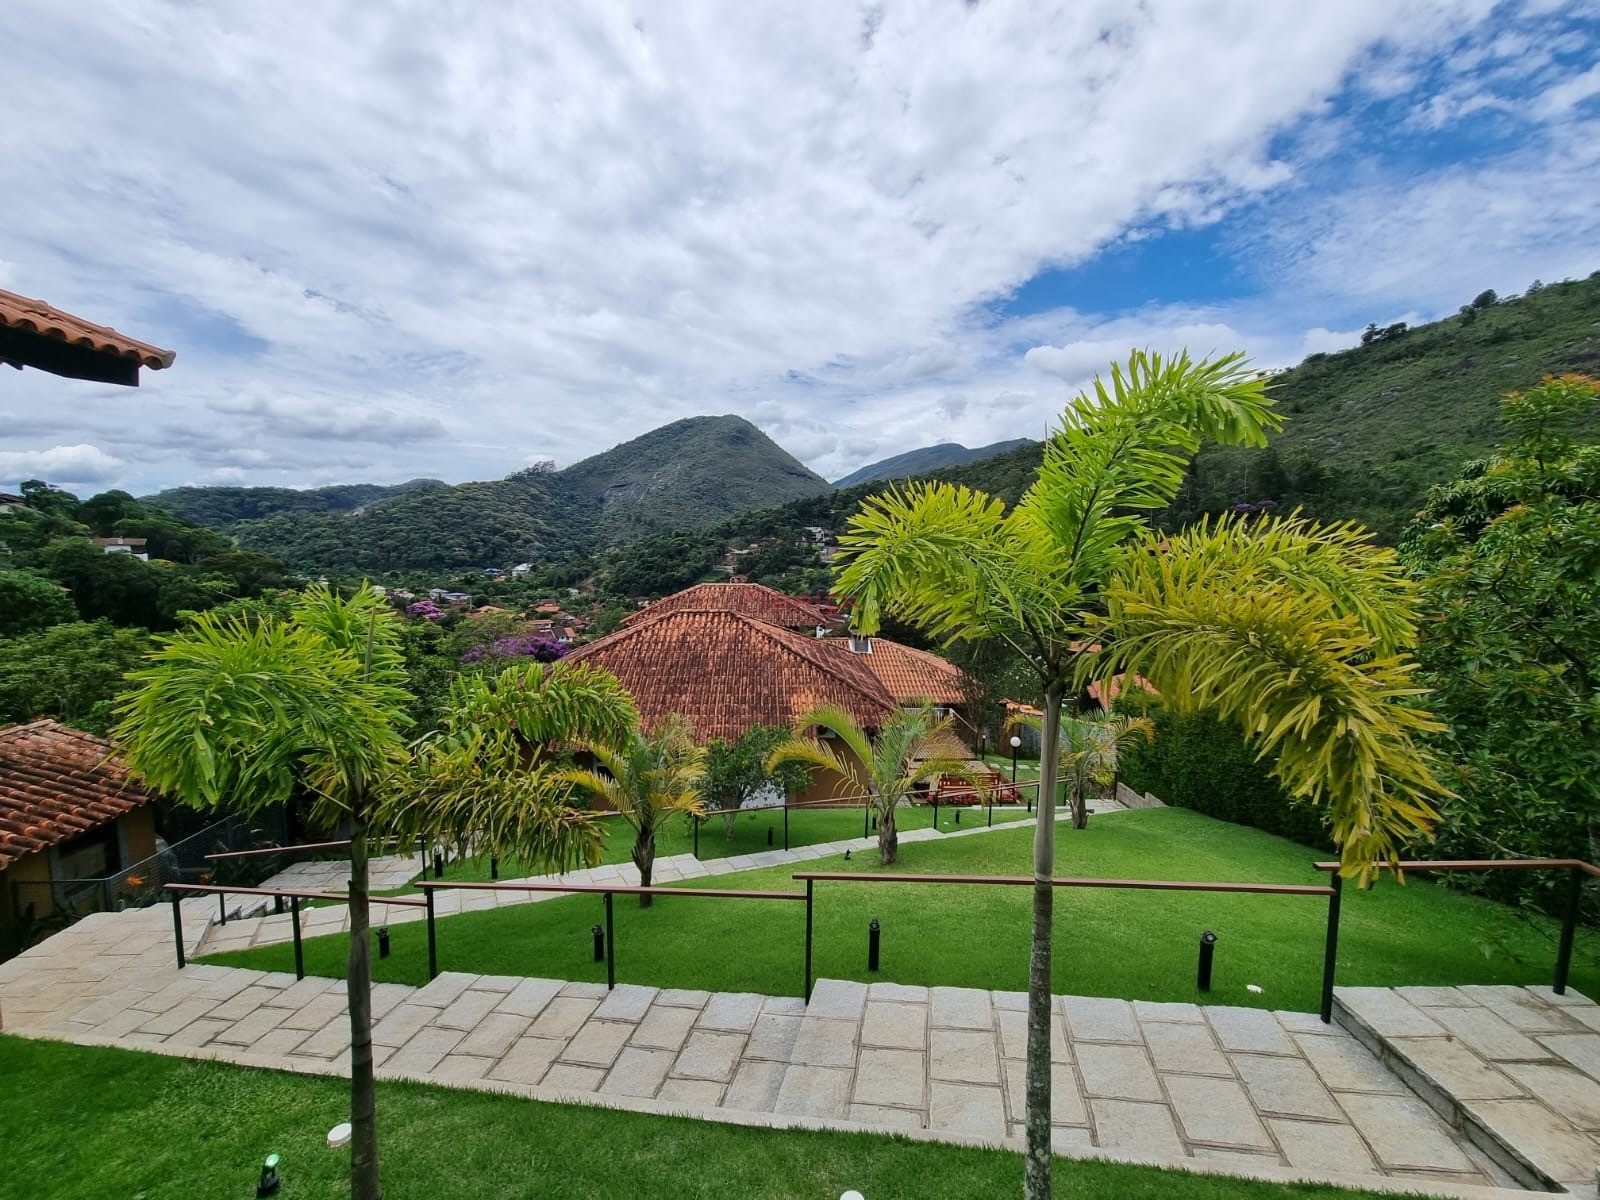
(364, 1181)
(1036, 1163)
(644, 857)
(1080, 807)
(888, 836)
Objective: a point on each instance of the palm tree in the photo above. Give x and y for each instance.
(648, 778)
(1090, 747)
(885, 769)
(241, 713)
(1295, 631)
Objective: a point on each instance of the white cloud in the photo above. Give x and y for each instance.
(71, 465)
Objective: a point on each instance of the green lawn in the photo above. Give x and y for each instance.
(1108, 943)
(117, 1123)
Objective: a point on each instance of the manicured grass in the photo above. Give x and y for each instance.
(1108, 942)
(84, 1121)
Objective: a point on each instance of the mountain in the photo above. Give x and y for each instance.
(686, 475)
(928, 458)
(219, 506)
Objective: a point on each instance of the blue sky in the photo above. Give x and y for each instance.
(448, 244)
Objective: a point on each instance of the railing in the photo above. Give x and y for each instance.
(1578, 871)
(609, 892)
(223, 891)
(811, 878)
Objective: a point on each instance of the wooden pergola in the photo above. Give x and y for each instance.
(34, 334)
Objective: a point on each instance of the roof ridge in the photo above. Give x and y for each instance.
(822, 662)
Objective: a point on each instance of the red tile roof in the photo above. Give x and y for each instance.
(750, 599)
(35, 316)
(56, 783)
(728, 671)
(911, 676)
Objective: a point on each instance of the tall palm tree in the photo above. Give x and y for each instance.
(647, 778)
(885, 769)
(1295, 631)
(1090, 747)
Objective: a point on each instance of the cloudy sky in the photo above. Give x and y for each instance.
(391, 239)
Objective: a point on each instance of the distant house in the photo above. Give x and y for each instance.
(123, 545)
(11, 502)
(69, 818)
(521, 569)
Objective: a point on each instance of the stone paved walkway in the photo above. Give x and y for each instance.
(1236, 1089)
(388, 873)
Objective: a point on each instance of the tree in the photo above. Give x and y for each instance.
(886, 769)
(648, 778)
(1509, 562)
(1291, 630)
(1487, 298)
(1090, 748)
(736, 771)
(29, 601)
(71, 672)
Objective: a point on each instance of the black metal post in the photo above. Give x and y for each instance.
(1208, 949)
(1013, 766)
(866, 816)
(438, 865)
(611, 947)
(1331, 953)
(177, 929)
(299, 949)
(874, 931)
(696, 836)
(936, 810)
(494, 866)
(991, 806)
(599, 936)
(222, 907)
(422, 846)
(277, 905)
(433, 940)
(770, 834)
(810, 884)
(1569, 927)
(786, 825)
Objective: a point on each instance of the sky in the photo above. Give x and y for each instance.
(401, 238)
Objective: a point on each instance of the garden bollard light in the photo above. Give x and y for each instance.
(958, 816)
(383, 941)
(1208, 947)
(873, 934)
(769, 835)
(438, 865)
(599, 943)
(269, 1183)
(494, 866)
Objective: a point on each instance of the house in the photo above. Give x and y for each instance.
(123, 545)
(35, 334)
(521, 569)
(69, 819)
(10, 502)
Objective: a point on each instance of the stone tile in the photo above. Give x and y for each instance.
(1066, 1101)
(462, 1068)
(583, 990)
(1317, 1146)
(692, 1093)
(1095, 1019)
(755, 1087)
(963, 1056)
(250, 1029)
(598, 1043)
(683, 998)
(198, 1033)
(398, 1027)
(1433, 997)
(1251, 1029)
(1299, 1022)
(1245, 1160)
(1571, 1093)
(1120, 1072)
(277, 1043)
(664, 1028)
(961, 1008)
(1285, 1085)
(966, 1109)
(812, 1092)
(1582, 1050)
(1345, 1065)
(468, 1009)
(331, 1040)
(708, 1055)
(1187, 1048)
(1571, 998)
(445, 989)
(1543, 1136)
(897, 1077)
(563, 1017)
(900, 1026)
(317, 1013)
(1404, 1133)
(1160, 1010)
(1009, 1001)
(773, 1037)
(494, 1035)
(1488, 1034)
(825, 1043)
(1215, 1110)
(733, 1012)
(1064, 1139)
(529, 998)
(1524, 1010)
(1014, 1035)
(386, 997)
(784, 1006)
(885, 1118)
(243, 1003)
(528, 1060)
(422, 1053)
(638, 1072)
(837, 998)
(899, 992)
(1134, 1127)
(627, 1002)
(1386, 1013)
(569, 1078)
(1456, 1069)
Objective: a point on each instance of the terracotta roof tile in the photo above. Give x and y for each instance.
(727, 671)
(751, 599)
(56, 783)
(35, 316)
(911, 676)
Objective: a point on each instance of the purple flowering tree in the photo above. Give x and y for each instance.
(520, 645)
(425, 610)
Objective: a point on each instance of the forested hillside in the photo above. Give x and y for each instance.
(216, 507)
(925, 459)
